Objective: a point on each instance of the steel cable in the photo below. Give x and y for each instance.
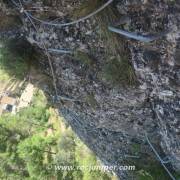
(21, 9)
(159, 158)
(73, 22)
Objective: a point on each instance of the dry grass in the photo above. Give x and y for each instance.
(107, 17)
(85, 8)
(114, 45)
(7, 22)
(118, 70)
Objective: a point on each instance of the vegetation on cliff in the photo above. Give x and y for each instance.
(36, 142)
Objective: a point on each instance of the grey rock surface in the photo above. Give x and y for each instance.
(112, 118)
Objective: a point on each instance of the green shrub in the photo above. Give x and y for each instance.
(11, 65)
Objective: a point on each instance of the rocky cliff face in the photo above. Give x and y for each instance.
(113, 90)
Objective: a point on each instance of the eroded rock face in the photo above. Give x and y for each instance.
(10, 23)
(113, 117)
(156, 66)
